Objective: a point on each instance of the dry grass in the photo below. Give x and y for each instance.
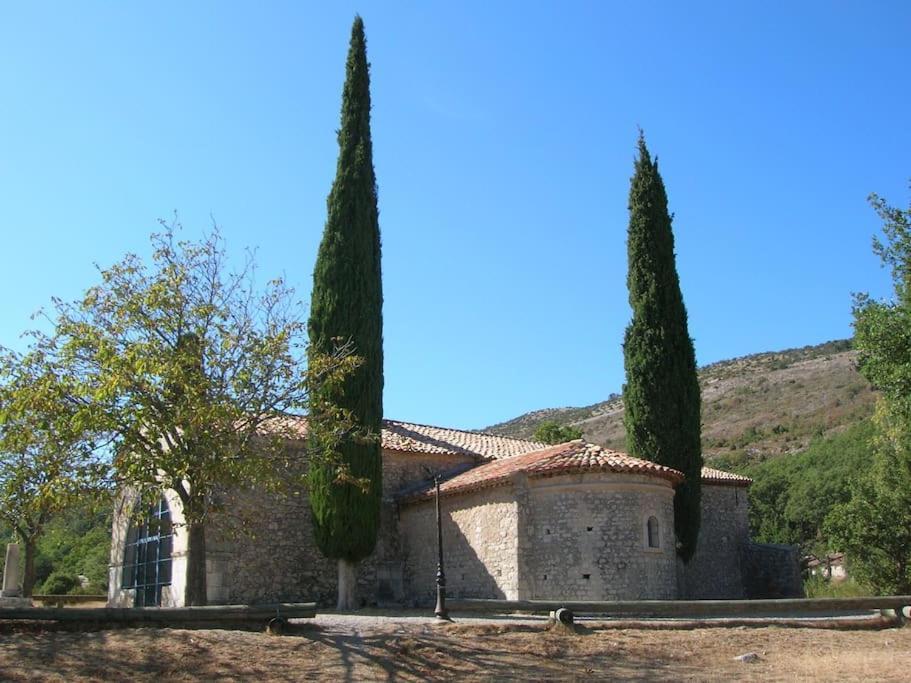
(420, 651)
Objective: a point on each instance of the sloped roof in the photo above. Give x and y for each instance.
(566, 458)
(573, 456)
(409, 437)
(712, 476)
(417, 438)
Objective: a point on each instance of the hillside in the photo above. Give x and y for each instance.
(753, 407)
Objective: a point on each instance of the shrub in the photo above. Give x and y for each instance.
(552, 433)
(59, 583)
(819, 587)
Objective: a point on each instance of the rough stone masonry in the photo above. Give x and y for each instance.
(521, 520)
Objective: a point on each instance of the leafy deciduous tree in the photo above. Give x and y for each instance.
(48, 458)
(193, 370)
(874, 526)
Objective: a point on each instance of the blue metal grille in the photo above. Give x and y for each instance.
(147, 556)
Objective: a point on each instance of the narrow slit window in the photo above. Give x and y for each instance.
(654, 540)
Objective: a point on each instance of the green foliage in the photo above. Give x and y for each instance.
(189, 371)
(346, 308)
(791, 496)
(48, 454)
(59, 583)
(77, 542)
(661, 394)
(874, 526)
(882, 329)
(553, 432)
(819, 587)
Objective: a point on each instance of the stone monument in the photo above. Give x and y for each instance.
(11, 596)
(11, 572)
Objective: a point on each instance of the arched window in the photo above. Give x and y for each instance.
(147, 555)
(654, 540)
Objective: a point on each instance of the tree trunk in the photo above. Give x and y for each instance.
(347, 585)
(195, 592)
(28, 574)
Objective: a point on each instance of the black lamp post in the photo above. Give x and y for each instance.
(441, 612)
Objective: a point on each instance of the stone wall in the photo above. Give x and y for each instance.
(278, 560)
(267, 553)
(402, 469)
(714, 571)
(584, 537)
(262, 549)
(581, 537)
(772, 571)
(479, 544)
(259, 549)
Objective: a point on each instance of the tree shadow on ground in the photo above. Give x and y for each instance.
(476, 653)
(89, 655)
(395, 652)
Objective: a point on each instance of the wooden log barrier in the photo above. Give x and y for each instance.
(164, 615)
(693, 608)
(62, 600)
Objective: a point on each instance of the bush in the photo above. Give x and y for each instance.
(77, 542)
(59, 583)
(552, 433)
(819, 587)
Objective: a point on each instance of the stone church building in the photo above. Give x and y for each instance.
(521, 520)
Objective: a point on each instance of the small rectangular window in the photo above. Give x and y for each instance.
(653, 539)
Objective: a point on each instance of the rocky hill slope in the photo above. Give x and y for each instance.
(753, 407)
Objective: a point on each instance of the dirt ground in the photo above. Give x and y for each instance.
(334, 649)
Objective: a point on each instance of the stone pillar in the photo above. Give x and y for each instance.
(11, 587)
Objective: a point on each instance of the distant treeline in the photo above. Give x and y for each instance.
(791, 496)
(73, 554)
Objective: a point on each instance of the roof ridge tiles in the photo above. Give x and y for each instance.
(474, 432)
(713, 475)
(566, 458)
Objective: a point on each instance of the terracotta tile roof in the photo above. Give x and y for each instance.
(712, 476)
(409, 437)
(565, 458)
(417, 438)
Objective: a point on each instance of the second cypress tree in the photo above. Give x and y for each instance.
(661, 395)
(346, 307)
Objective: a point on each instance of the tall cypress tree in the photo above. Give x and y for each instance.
(346, 307)
(661, 394)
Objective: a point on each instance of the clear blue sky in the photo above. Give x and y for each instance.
(504, 135)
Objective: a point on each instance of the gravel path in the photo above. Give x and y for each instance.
(371, 620)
